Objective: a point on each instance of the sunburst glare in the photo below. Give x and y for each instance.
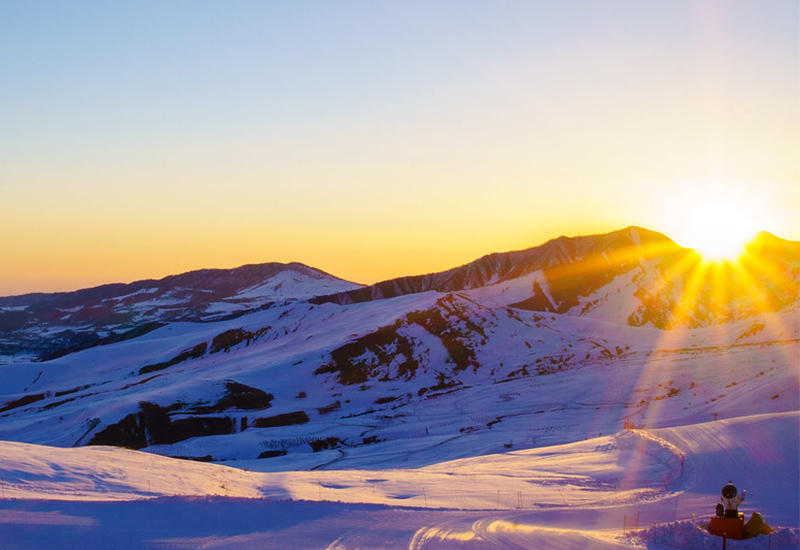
(716, 219)
(720, 231)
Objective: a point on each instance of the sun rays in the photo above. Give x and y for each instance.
(713, 293)
(695, 292)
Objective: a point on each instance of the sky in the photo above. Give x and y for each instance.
(378, 139)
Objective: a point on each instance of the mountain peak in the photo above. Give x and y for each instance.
(108, 313)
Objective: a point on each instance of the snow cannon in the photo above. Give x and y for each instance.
(729, 522)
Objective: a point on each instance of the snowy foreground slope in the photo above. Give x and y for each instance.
(567, 496)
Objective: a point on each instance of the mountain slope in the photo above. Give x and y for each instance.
(633, 276)
(414, 377)
(499, 267)
(49, 325)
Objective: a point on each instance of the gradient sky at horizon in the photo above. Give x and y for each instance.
(379, 139)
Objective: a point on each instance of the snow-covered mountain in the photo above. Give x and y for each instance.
(633, 276)
(327, 381)
(504, 384)
(301, 360)
(49, 325)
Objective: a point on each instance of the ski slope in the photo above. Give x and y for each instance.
(565, 496)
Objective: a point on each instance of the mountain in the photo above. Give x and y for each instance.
(50, 325)
(621, 246)
(634, 276)
(510, 351)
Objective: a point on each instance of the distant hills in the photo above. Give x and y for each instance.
(49, 325)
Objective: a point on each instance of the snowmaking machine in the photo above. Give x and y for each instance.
(728, 521)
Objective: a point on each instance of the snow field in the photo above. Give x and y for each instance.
(562, 497)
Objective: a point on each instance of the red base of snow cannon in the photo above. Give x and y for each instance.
(733, 528)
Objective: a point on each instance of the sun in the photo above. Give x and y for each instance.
(719, 230)
(715, 217)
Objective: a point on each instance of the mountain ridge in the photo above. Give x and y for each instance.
(776, 242)
(13, 299)
(51, 324)
(506, 265)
